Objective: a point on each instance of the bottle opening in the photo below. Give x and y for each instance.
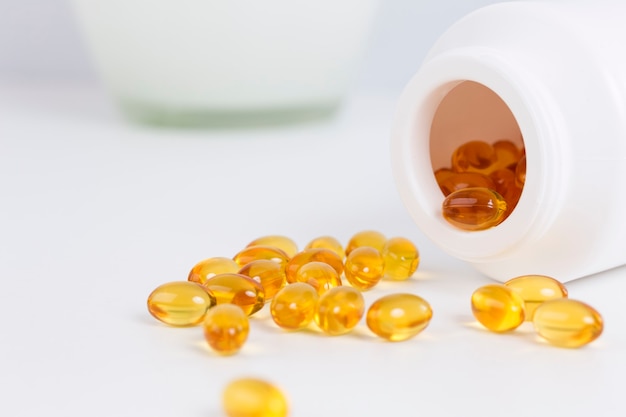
(477, 156)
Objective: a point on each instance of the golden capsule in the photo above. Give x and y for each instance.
(294, 306)
(442, 174)
(180, 303)
(319, 275)
(226, 328)
(401, 259)
(237, 289)
(254, 253)
(498, 307)
(398, 317)
(462, 180)
(520, 172)
(269, 274)
(208, 268)
(473, 156)
(313, 255)
(364, 267)
(251, 397)
(474, 209)
(369, 238)
(568, 323)
(505, 185)
(327, 242)
(507, 154)
(283, 243)
(339, 310)
(536, 289)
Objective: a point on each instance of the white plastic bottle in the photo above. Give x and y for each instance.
(550, 74)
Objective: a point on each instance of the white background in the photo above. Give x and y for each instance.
(95, 213)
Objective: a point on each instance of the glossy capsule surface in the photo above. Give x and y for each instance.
(226, 328)
(319, 275)
(568, 323)
(313, 255)
(461, 180)
(208, 268)
(283, 243)
(401, 259)
(474, 209)
(535, 290)
(505, 185)
(498, 307)
(252, 397)
(473, 156)
(507, 154)
(180, 303)
(364, 267)
(254, 253)
(269, 274)
(398, 317)
(294, 306)
(369, 238)
(327, 242)
(237, 289)
(339, 310)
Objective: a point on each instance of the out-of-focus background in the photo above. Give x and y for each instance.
(40, 39)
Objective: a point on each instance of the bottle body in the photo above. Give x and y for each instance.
(549, 76)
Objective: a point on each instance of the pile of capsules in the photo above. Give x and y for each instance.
(301, 288)
(483, 184)
(543, 300)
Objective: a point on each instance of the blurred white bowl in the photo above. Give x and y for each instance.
(224, 61)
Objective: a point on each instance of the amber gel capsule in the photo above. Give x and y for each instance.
(369, 238)
(461, 180)
(283, 243)
(226, 328)
(473, 156)
(180, 303)
(208, 268)
(364, 267)
(536, 289)
(251, 397)
(568, 323)
(253, 253)
(327, 242)
(399, 317)
(498, 307)
(339, 310)
(319, 275)
(401, 258)
(474, 209)
(267, 273)
(313, 255)
(294, 306)
(239, 290)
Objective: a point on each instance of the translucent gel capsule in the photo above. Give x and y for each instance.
(254, 253)
(568, 323)
(474, 209)
(364, 267)
(505, 185)
(401, 259)
(442, 174)
(462, 180)
(339, 310)
(398, 317)
(507, 154)
(269, 274)
(237, 289)
(180, 303)
(319, 275)
(283, 243)
(327, 242)
(313, 255)
(208, 268)
(251, 397)
(473, 156)
(498, 307)
(369, 238)
(226, 328)
(536, 289)
(294, 306)
(520, 172)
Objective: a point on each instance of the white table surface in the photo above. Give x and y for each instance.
(95, 213)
